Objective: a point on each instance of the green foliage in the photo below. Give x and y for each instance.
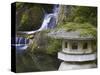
(53, 46)
(83, 14)
(82, 19)
(79, 19)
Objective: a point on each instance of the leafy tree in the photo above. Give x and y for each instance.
(83, 14)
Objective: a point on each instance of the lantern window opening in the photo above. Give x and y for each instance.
(66, 44)
(74, 46)
(85, 45)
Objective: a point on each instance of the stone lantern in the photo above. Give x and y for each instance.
(78, 52)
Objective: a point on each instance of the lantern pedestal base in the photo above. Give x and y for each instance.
(70, 66)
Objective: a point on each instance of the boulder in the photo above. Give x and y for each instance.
(29, 17)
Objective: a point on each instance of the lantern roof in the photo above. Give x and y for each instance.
(71, 35)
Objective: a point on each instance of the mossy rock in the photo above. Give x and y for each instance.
(31, 18)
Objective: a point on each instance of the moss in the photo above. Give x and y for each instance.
(24, 18)
(19, 5)
(84, 28)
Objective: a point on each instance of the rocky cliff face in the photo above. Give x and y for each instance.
(64, 12)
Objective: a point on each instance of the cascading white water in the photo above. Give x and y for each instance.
(49, 22)
(45, 22)
(48, 19)
(21, 44)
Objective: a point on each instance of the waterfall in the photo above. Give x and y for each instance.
(21, 44)
(49, 22)
(50, 19)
